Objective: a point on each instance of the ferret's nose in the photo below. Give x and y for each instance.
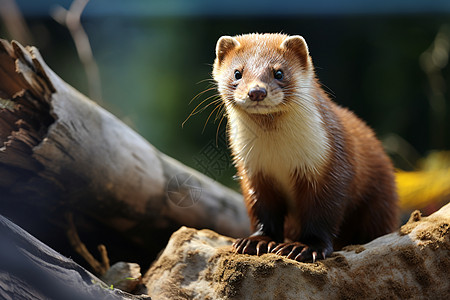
(257, 93)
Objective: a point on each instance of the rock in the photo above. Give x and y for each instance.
(124, 276)
(412, 263)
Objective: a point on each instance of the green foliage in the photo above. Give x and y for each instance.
(152, 68)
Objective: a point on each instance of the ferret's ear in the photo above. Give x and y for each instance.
(224, 45)
(298, 46)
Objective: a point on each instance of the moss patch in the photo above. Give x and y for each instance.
(413, 221)
(356, 248)
(415, 263)
(336, 261)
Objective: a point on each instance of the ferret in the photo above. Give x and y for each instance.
(313, 175)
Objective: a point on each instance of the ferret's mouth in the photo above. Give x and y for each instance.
(260, 108)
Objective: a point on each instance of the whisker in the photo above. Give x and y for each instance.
(204, 126)
(206, 106)
(201, 93)
(219, 112)
(249, 151)
(214, 102)
(194, 111)
(217, 131)
(206, 80)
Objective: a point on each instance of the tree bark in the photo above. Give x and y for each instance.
(31, 270)
(60, 152)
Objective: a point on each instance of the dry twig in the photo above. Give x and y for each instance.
(71, 19)
(99, 268)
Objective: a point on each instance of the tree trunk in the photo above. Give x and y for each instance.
(60, 152)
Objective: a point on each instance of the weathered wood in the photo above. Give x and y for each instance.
(61, 152)
(31, 270)
(413, 263)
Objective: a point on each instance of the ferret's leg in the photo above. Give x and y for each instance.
(319, 218)
(314, 243)
(267, 211)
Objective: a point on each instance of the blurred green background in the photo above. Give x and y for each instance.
(385, 60)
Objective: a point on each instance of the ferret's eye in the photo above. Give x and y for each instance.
(278, 74)
(237, 74)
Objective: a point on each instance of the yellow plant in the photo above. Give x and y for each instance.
(430, 185)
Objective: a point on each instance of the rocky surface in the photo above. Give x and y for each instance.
(412, 263)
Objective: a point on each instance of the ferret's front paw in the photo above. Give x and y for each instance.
(254, 245)
(301, 252)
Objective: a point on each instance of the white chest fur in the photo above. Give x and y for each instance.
(298, 144)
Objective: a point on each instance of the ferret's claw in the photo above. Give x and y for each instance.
(253, 245)
(271, 246)
(261, 248)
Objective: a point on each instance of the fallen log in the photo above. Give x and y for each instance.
(61, 152)
(412, 263)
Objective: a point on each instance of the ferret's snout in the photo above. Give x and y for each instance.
(257, 93)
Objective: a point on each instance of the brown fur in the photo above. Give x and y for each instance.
(351, 200)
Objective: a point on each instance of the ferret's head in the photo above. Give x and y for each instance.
(263, 73)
